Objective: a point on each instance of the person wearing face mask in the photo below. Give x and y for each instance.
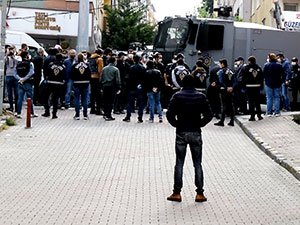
(158, 62)
(213, 91)
(240, 98)
(120, 99)
(111, 83)
(68, 84)
(295, 82)
(227, 82)
(284, 88)
(24, 74)
(10, 81)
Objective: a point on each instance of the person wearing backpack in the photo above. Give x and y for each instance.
(227, 82)
(96, 66)
(55, 81)
(24, 74)
(179, 73)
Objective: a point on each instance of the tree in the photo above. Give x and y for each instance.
(204, 11)
(125, 24)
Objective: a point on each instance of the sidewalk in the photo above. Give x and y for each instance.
(278, 137)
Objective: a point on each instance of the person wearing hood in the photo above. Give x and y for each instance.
(295, 82)
(96, 66)
(253, 80)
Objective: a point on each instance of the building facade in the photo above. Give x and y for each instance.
(52, 22)
(283, 14)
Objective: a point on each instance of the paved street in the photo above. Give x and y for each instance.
(95, 172)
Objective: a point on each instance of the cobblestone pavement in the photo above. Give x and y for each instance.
(95, 172)
(279, 137)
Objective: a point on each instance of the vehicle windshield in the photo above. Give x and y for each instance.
(172, 34)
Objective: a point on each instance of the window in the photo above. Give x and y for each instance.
(290, 7)
(210, 37)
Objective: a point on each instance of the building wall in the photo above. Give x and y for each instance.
(262, 12)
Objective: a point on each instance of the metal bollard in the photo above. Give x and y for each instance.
(28, 118)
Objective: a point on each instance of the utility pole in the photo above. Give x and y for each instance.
(83, 26)
(2, 51)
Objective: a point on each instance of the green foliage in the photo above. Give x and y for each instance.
(125, 24)
(238, 19)
(203, 12)
(10, 122)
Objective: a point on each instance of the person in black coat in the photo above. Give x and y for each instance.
(188, 112)
(253, 81)
(136, 88)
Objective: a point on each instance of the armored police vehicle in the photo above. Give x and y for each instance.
(215, 39)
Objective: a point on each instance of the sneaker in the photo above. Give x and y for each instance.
(76, 118)
(220, 123)
(200, 198)
(174, 198)
(231, 123)
(277, 114)
(260, 118)
(150, 121)
(85, 117)
(108, 118)
(62, 108)
(34, 115)
(46, 114)
(140, 121)
(269, 115)
(18, 116)
(54, 116)
(126, 119)
(10, 109)
(252, 119)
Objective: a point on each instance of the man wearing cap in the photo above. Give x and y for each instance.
(240, 98)
(295, 82)
(188, 112)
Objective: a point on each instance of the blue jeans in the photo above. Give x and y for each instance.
(23, 89)
(154, 103)
(285, 97)
(81, 91)
(273, 96)
(194, 140)
(68, 92)
(12, 87)
(131, 96)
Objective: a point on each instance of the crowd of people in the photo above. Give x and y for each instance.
(122, 82)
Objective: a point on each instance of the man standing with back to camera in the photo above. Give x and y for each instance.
(188, 111)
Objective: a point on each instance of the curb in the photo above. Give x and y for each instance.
(267, 149)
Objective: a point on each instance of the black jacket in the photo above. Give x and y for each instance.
(188, 111)
(57, 73)
(153, 80)
(252, 77)
(136, 77)
(80, 74)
